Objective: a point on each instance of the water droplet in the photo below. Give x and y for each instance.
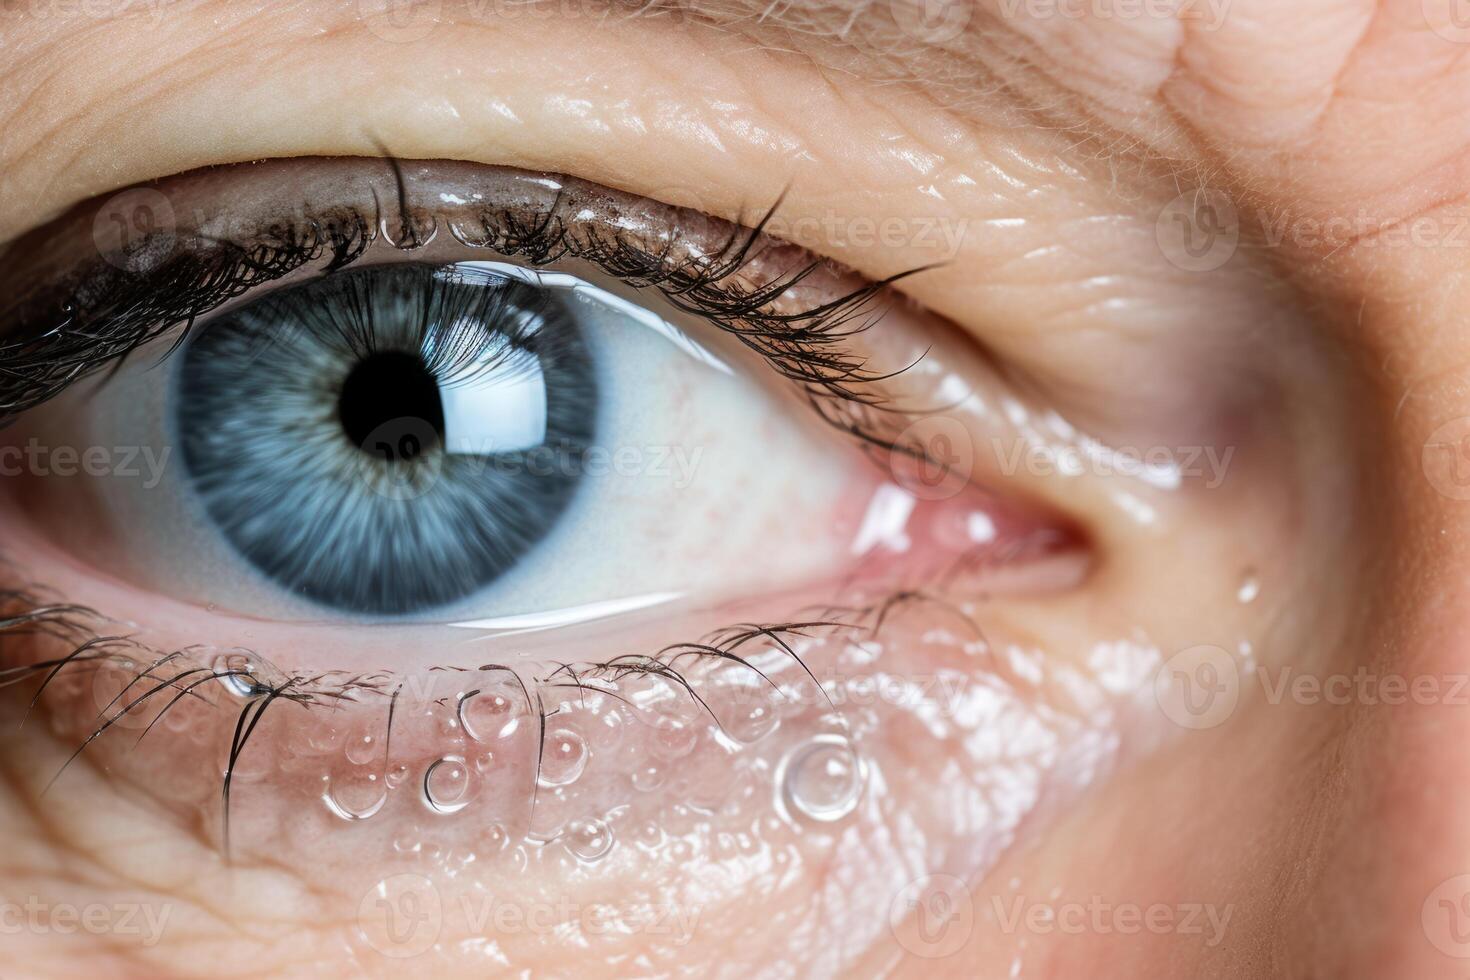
(1250, 587)
(607, 723)
(752, 722)
(448, 784)
(674, 738)
(414, 843)
(822, 779)
(243, 675)
(495, 838)
(647, 778)
(488, 715)
(589, 840)
(396, 775)
(362, 748)
(325, 738)
(649, 835)
(355, 795)
(564, 760)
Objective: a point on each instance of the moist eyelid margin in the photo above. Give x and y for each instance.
(165, 255)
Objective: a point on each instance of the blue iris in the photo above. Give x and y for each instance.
(391, 439)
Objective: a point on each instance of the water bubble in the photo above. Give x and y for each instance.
(589, 840)
(448, 784)
(488, 715)
(245, 675)
(325, 738)
(362, 748)
(679, 819)
(355, 795)
(1250, 587)
(450, 729)
(752, 722)
(649, 835)
(822, 779)
(564, 760)
(674, 738)
(495, 838)
(647, 778)
(415, 843)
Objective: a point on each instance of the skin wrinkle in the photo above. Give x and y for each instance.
(122, 876)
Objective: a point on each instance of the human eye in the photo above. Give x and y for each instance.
(380, 414)
(591, 512)
(489, 377)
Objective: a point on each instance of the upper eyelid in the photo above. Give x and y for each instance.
(733, 276)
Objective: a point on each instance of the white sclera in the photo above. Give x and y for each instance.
(703, 479)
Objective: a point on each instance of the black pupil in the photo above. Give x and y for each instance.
(389, 387)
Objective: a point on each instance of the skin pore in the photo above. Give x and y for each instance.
(1031, 158)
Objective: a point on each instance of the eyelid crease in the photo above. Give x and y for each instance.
(736, 279)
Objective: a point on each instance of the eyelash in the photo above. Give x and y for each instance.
(30, 614)
(110, 313)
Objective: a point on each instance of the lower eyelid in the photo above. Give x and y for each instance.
(687, 685)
